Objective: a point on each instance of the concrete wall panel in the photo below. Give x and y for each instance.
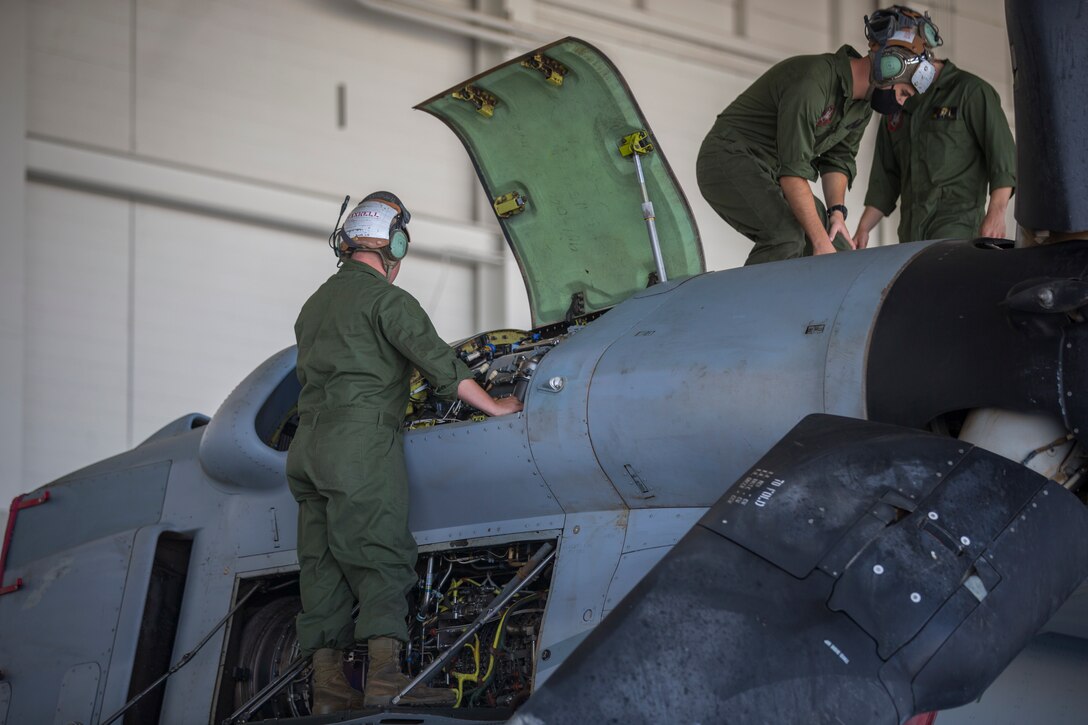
(252, 89)
(76, 381)
(80, 71)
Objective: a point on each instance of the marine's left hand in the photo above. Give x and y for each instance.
(993, 225)
(838, 226)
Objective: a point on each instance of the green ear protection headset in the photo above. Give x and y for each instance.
(343, 244)
(901, 41)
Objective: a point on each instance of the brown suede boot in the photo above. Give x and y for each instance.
(332, 693)
(384, 679)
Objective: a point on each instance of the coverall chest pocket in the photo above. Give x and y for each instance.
(947, 148)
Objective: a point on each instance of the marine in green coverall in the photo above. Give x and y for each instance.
(359, 337)
(940, 154)
(801, 119)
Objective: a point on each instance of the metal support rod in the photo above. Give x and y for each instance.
(648, 215)
(266, 692)
(525, 574)
(187, 656)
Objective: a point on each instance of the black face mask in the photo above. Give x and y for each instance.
(883, 101)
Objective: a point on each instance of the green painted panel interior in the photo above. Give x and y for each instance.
(582, 229)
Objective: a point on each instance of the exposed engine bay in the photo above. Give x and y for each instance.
(502, 362)
(494, 669)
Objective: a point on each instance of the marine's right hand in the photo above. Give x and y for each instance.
(505, 406)
(861, 238)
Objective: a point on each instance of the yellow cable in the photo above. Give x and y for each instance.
(495, 644)
(463, 677)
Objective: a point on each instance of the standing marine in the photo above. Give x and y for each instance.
(802, 119)
(940, 153)
(359, 338)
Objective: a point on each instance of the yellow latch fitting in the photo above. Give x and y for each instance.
(637, 143)
(510, 204)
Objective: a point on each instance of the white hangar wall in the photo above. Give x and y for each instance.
(169, 170)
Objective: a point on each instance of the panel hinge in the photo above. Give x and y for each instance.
(553, 70)
(483, 101)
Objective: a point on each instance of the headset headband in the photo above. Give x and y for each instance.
(379, 223)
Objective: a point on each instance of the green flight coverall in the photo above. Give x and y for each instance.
(939, 153)
(359, 338)
(797, 119)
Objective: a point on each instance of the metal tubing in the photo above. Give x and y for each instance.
(525, 574)
(428, 582)
(648, 215)
(266, 693)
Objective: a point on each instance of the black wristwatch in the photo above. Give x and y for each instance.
(837, 207)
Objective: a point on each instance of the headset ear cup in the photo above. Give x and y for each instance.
(890, 67)
(932, 37)
(398, 244)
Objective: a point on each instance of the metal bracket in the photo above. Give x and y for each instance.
(636, 143)
(510, 204)
(553, 70)
(577, 306)
(18, 504)
(483, 101)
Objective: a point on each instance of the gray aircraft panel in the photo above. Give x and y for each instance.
(699, 370)
(80, 629)
(78, 694)
(588, 553)
(128, 498)
(490, 533)
(231, 451)
(630, 570)
(650, 528)
(119, 660)
(209, 592)
(557, 428)
(849, 336)
(270, 563)
(439, 476)
(5, 700)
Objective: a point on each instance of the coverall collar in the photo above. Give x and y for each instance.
(919, 100)
(353, 265)
(843, 71)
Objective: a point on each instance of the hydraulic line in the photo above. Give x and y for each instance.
(526, 574)
(497, 644)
